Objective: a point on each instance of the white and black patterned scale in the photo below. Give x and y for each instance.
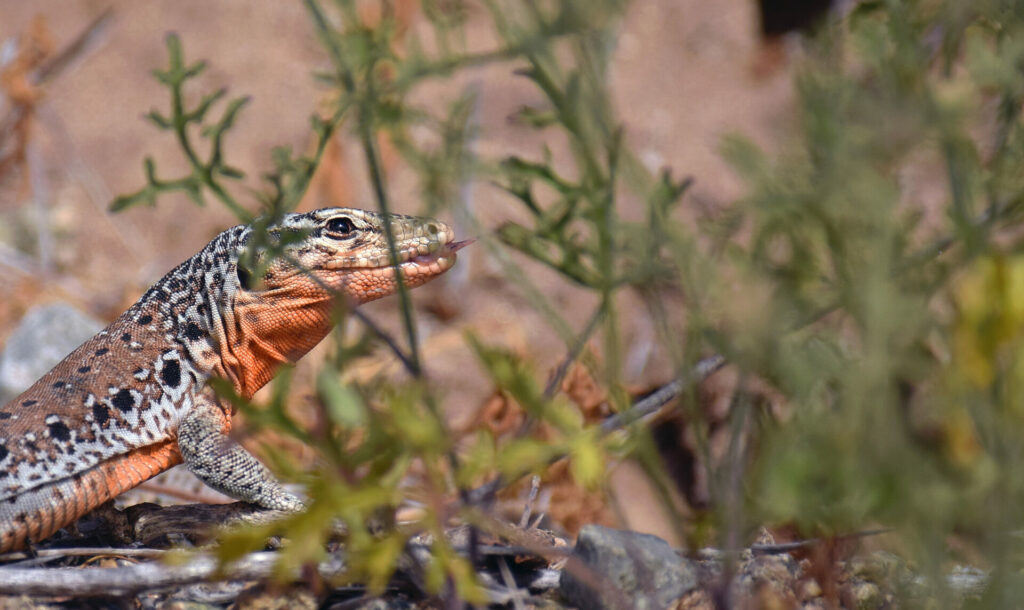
(127, 387)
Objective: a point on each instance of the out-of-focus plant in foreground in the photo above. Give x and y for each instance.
(889, 328)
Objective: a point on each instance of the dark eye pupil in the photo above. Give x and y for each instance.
(340, 225)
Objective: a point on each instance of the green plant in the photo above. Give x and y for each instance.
(894, 343)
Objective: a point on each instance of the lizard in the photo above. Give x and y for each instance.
(133, 401)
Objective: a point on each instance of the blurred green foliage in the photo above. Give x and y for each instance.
(891, 328)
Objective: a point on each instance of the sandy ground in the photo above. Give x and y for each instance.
(682, 77)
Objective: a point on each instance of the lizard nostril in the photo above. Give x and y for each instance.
(432, 229)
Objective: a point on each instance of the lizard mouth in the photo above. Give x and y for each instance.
(434, 262)
(363, 283)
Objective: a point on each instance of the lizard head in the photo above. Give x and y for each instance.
(290, 275)
(345, 251)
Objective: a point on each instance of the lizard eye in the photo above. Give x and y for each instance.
(340, 226)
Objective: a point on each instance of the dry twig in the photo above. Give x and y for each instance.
(124, 580)
(647, 406)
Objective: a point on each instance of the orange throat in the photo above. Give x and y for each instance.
(269, 330)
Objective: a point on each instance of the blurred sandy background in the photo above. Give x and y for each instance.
(684, 74)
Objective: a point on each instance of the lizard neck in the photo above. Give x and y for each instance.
(243, 335)
(268, 329)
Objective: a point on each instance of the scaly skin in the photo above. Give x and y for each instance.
(133, 401)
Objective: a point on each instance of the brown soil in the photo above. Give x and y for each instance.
(685, 73)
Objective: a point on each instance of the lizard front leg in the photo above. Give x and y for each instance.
(223, 464)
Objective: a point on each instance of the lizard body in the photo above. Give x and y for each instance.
(133, 401)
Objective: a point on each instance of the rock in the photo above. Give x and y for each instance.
(273, 598)
(867, 595)
(43, 338)
(774, 574)
(631, 570)
(698, 599)
(968, 580)
(808, 590)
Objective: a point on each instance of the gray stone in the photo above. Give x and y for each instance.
(43, 338)
(629, 569)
